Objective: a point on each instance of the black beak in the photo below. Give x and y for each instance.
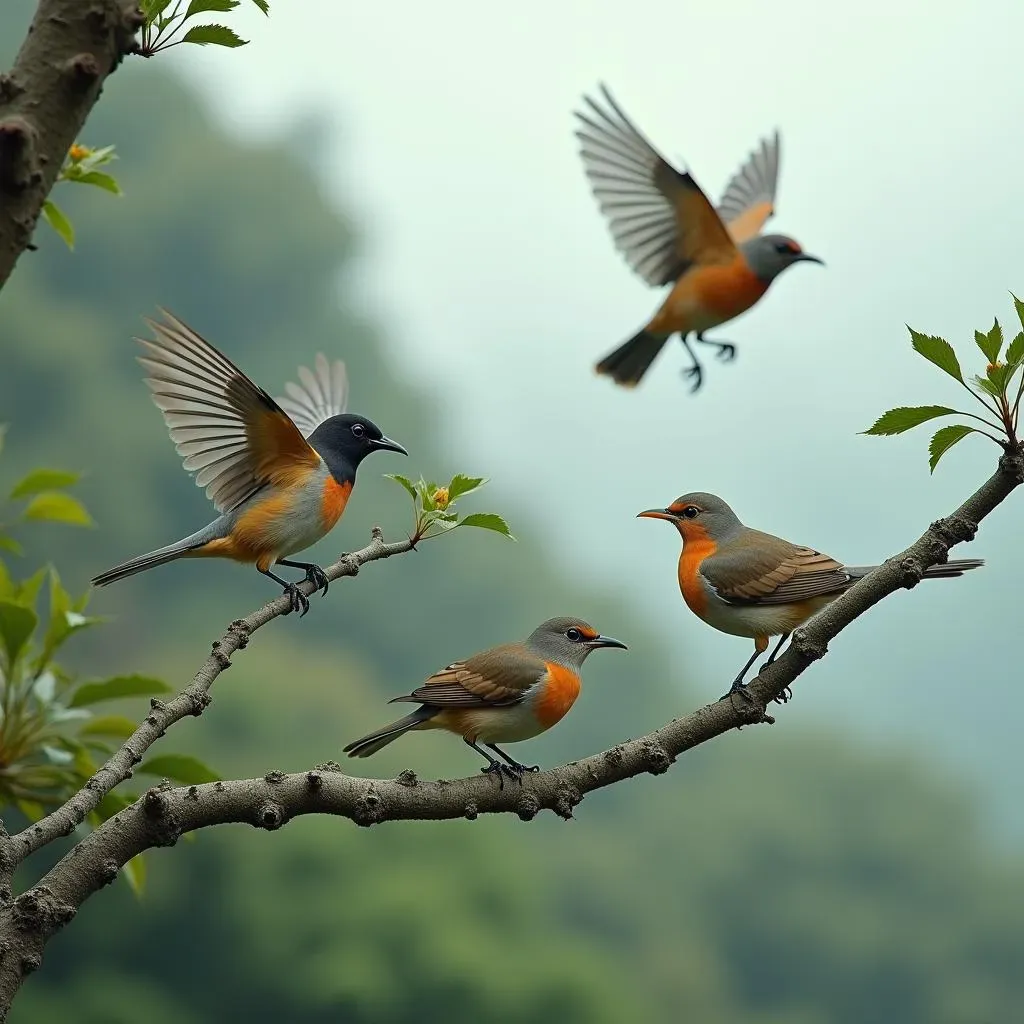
(606, 641)
(806, 257)
(387, 445)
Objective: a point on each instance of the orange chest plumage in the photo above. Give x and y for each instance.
(334, 500)
(728, 289)
(559, 694)
(695, 550)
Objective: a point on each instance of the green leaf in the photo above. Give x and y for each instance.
(991, 343)
(943, 440)
(1015, 353)
(100, 179)
(42, 480)
(32, 810)
(152, 9)
(58, 507)
(28, 590)
(215, 35)
(202, 6)
(999, 375)
(1019, 306)
(116, 688)
(987, 386)
(896, 421)
(938, 351)
(263, 5)
(17, 623)
(3, 434)
(98, 157)
(118, 726)
(112, 803)
(403, 481)
(462, 485)
(10, 544)
(179, 768)
(56, 218)
(135, 873)
(488, 521)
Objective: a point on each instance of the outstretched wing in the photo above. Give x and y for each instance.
(321, 394)
(660, 219)
(495, 678)
(230, 433)
(749, 198)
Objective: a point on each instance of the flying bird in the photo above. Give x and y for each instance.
(717, 261)
(279, 471)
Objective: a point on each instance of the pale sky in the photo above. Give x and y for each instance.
(495, 277)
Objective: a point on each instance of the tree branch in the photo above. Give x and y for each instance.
(70, 50)
(193, 700)
(165, 813)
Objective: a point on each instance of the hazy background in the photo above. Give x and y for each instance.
(400, 188)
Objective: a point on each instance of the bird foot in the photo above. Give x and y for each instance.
(297, 600)
(504, 771)
(696, 374)
(726, 352)
(316, 576)
(785, 697)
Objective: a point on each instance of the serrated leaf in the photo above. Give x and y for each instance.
(943, 440)
(1019, 307)
(118, 726)
(263, 5)
(462, 485)
(991, 343)
(134, 873)
(179, 768)
(987, 386)
(57, 507)
(100, 179)
(42, 480)
(938, 351)
(17, 623)
(152, 9)
(203, 6)
(57, 219)
(213, 35)
(896, 421)
(116, 688)
(1015, 353)
(402, 481)
(488, 521)
(999, 374)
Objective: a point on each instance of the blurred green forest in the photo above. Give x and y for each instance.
(778, 876)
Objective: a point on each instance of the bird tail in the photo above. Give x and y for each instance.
(150, 559)
(375, 741)
(957, 567)
(629, 362)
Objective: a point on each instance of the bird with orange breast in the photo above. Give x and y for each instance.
(280, 472)
(752, 584)
(718, 262)
(503, 695)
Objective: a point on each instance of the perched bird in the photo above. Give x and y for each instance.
(279, 472)
(749, 583)
(503, 695)
(717, 262)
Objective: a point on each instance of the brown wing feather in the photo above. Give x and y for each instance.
(500, 676)
(749, 198)
(227, 429)
(660, 219)
(762, 569)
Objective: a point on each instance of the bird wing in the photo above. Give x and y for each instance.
(320, 394)
(749, 198)
(762, 569)
(660, 219)
(228, 430)
(495, 678)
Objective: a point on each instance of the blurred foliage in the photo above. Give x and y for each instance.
(164, 22)
(51, 742)
(999, 392)
(777, 876)
(81, 166)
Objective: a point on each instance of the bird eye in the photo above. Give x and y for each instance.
(691, 512)
(574, 635)
(358, 430)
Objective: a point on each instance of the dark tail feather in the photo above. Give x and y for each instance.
(957, 567)
(146, 561)
(629, 362)
(375, 741)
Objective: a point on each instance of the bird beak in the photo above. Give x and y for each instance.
(806, 257)
(606, 641)
(657, 513)
(386, 444)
